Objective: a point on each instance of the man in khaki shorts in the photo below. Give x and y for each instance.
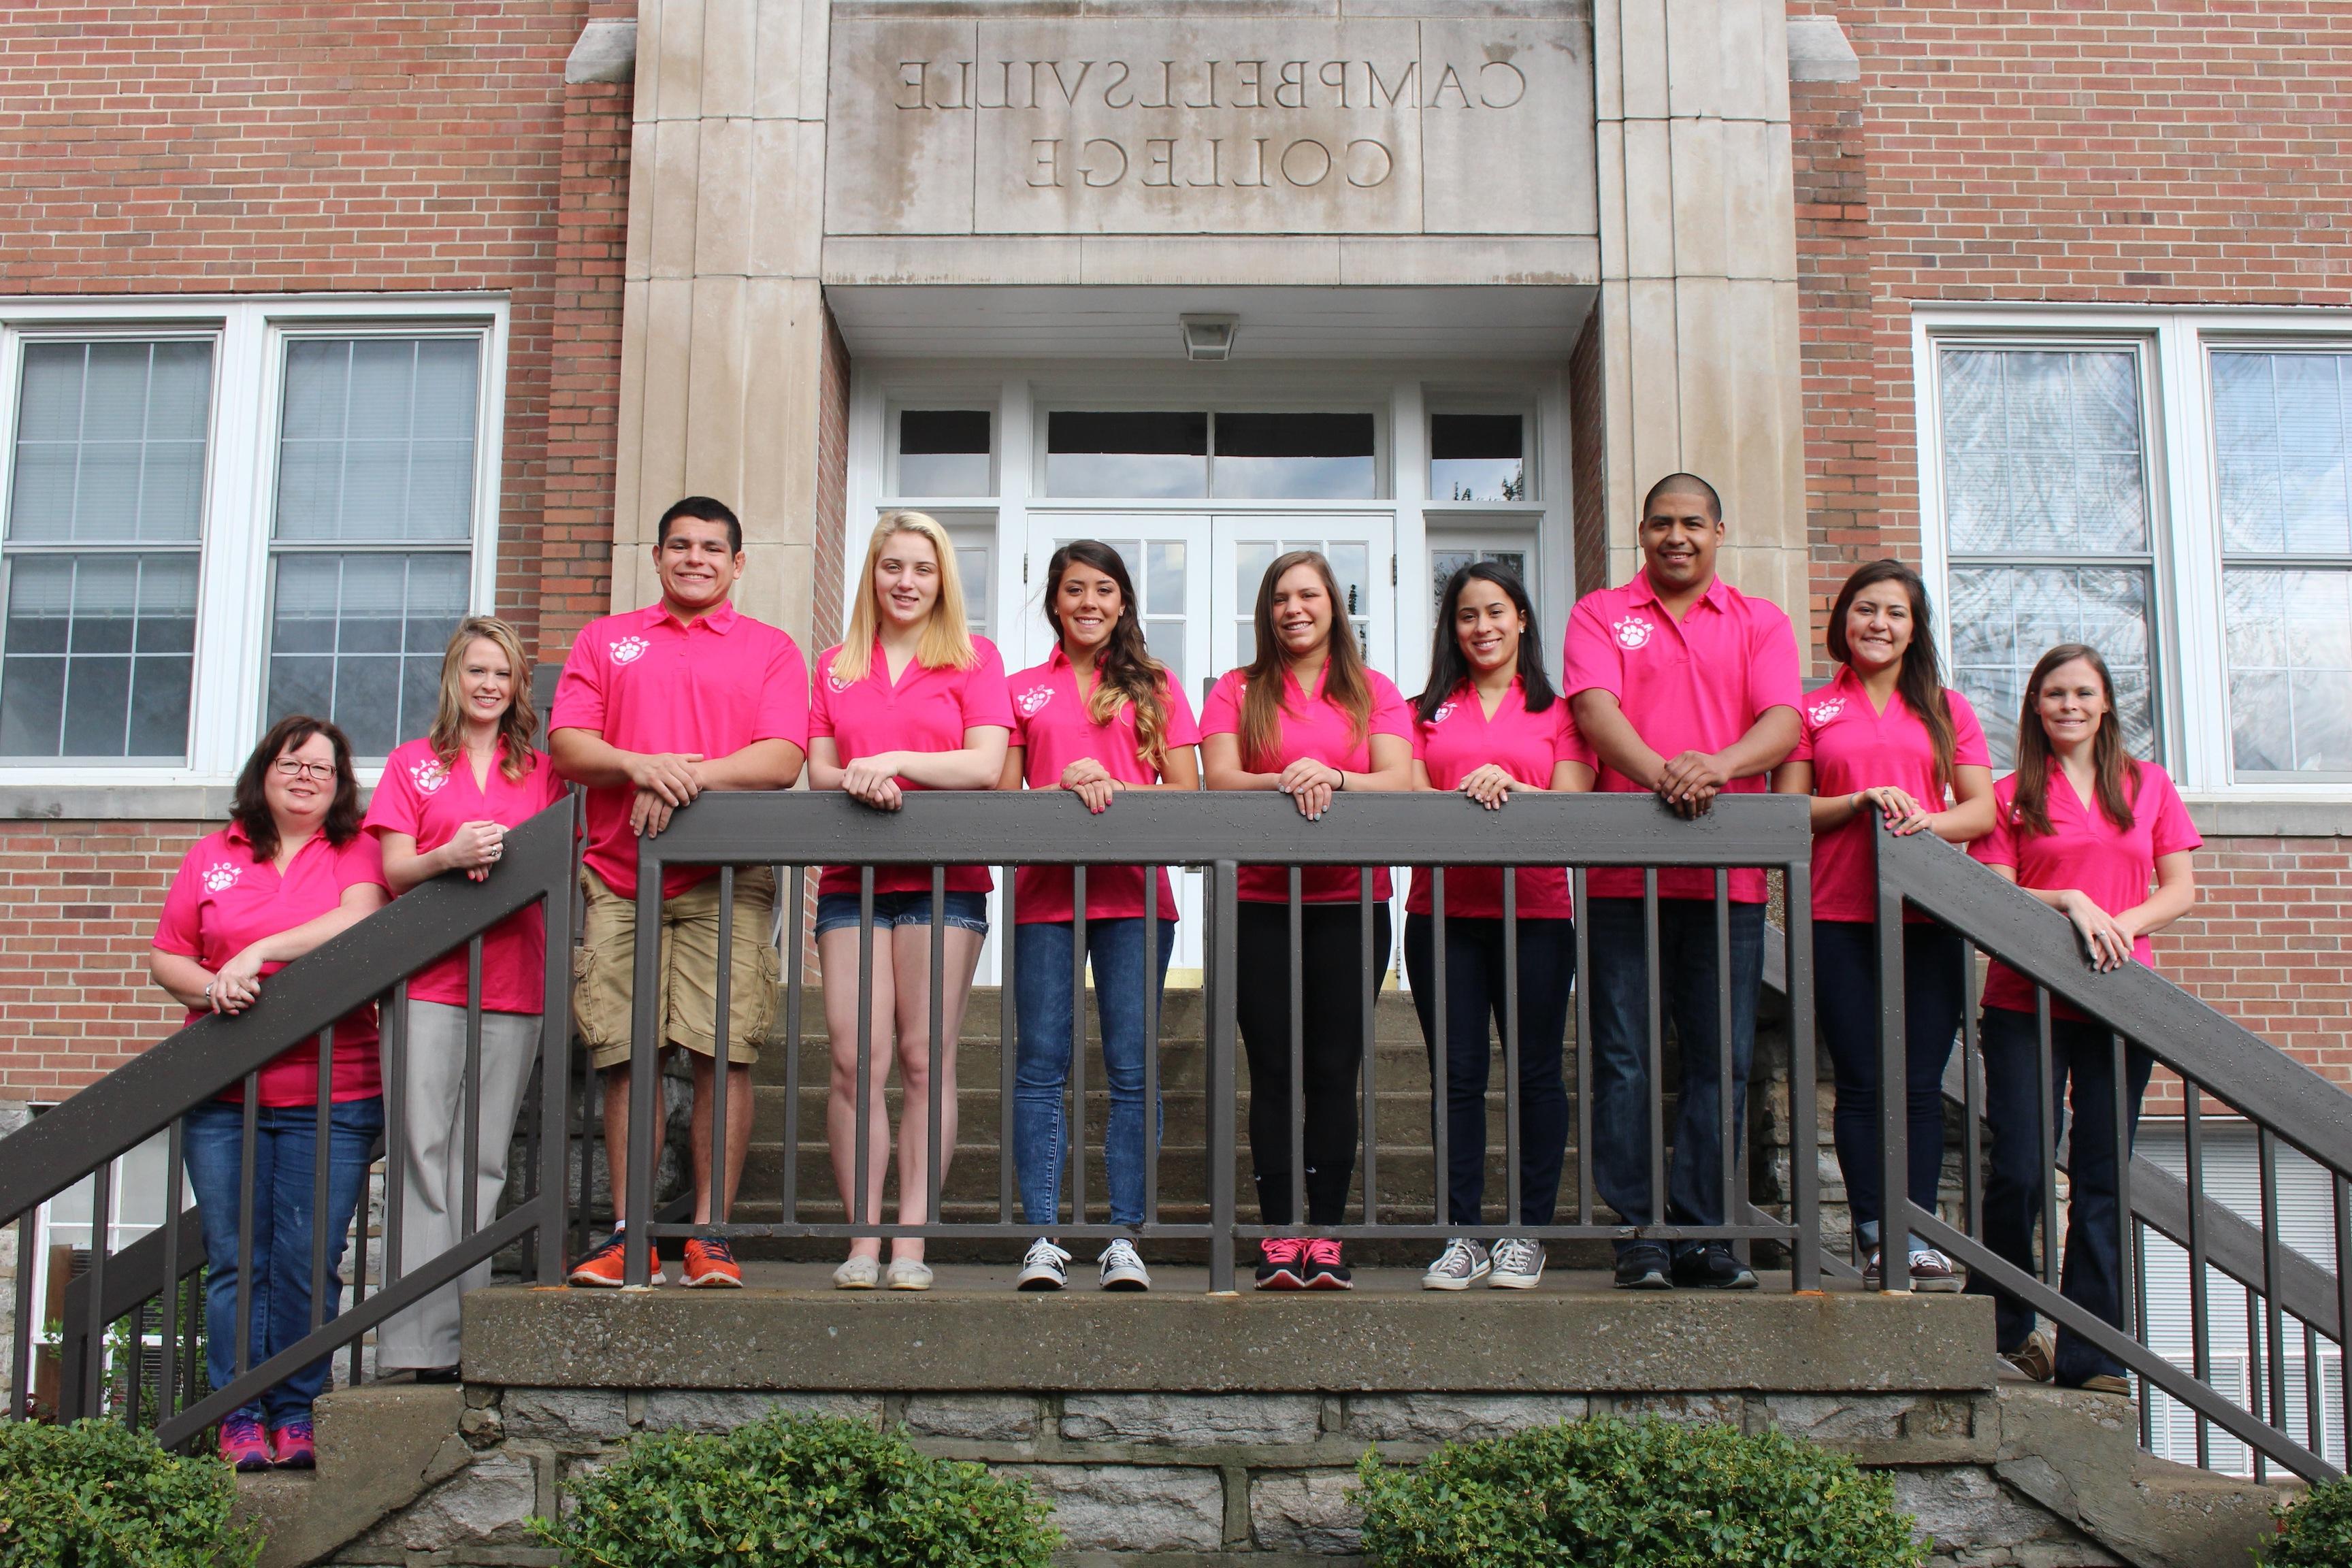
(654, 707)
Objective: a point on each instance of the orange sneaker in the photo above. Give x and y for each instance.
(602, 1268)
(710, 1262)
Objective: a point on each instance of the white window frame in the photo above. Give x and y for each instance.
(249, 334)
(2190, 665)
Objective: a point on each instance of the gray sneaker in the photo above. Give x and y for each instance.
(1461, 1265)
(1046, 1268)
(1518, 1264)
(1122, 1268)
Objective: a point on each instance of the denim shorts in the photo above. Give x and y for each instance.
(838, 912)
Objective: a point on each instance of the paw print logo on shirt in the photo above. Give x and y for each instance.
(429, 776)
(628, 649)
(1823, 712)
(1444, 711)
(221, 877)
(1633, 631)
(1032, 701)
(838, 681)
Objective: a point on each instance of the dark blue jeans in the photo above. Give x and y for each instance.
(1042, 957)
(1845, 1000)
(280, 1291)
(2091, 1270)
(1473, 1017)
(1689, 968)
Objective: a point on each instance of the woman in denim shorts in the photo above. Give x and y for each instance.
(909, 700)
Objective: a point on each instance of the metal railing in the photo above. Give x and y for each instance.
(145, 1284)
(1220, 833)
(2214, 1059)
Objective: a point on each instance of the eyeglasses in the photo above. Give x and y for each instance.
(295, 768)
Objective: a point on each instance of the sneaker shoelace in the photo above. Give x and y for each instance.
(1283, 1249)
(1323, 1252)
(1121, 1254)
(716, 1249)
(1460, 1260)
(1515, 1255)
(1041, 1250)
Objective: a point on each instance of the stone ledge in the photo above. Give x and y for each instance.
(982, 1342)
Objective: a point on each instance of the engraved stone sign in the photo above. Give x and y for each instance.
(1186, 125)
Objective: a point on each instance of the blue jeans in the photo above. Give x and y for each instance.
(280, 1290)
(1042, 959)
(2091, 1274)
(1689, 965)
(838, 912)
(1845, 1000)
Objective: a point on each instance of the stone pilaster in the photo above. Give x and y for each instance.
(723, 323)
(1698, 265)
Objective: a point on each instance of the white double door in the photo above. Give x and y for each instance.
(1196, 583)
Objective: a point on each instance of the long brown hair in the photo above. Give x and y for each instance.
(1125, 671)
(1921, 678)
(250, 811)
(2116, 773)
(1347, 681)
(517, 726)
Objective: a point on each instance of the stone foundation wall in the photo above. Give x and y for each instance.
(1172, 1479)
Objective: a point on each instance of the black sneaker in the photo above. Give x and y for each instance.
(1282, 1264)
(1642, 1265)
(1325, 1271)
(1713, 1267)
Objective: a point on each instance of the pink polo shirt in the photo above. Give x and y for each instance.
(2114, 867)
(1459, 741)
(1052, 728)
(1853, 746)
(923, 710)
(1312, 726)
(429, 802)
(1695, 685)
(647, 682)
(222, 900)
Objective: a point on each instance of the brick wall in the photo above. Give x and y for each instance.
(78, 902)
(2268, 941)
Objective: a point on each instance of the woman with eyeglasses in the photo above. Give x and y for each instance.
(1310, 717)
(289, 871)
(443, 807)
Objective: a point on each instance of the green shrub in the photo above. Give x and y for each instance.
(98, 1495)
(1653, 1494)
(794, 1491)
(2315, 1532)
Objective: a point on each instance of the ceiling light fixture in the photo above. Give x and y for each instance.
(1209, 337)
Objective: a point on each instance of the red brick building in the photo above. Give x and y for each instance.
(362, 316)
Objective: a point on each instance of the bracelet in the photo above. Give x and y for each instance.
(1343, 779)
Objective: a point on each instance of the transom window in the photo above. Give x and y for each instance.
(1237, 456)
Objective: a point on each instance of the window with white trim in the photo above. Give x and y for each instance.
(2173, 488)
(217, 513)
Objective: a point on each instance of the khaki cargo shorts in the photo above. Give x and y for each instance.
(603, 966)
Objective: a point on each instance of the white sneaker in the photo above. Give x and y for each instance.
(1461, 1265)
(859, 1273)
(1518, 1264)
(1046, 1268)
(908, 1274)
(1122, 1270)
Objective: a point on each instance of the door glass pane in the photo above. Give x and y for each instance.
(1285, 457)
(99, 650)
(2005, 618)
(2042, 452)
(2281, 447)
(2290, 646)
(944, 452)
(1144, 456)
(1477, 457)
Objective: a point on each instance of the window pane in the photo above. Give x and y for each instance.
(2280, 424)
(2289, 636)
(2005, 618)
(1477, 457)
(358, 639)
(98, 656)
(109, 443)
(2042, 452)
(1144, 456)
(944, 452)
(972, 570)
(1290, 457)
(376, 439)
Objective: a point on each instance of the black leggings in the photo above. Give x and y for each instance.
(1332, 1039)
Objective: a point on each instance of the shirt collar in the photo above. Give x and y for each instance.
(721, 620)
(1645, 590)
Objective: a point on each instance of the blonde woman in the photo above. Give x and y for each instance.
(909, 700)
(444, 806)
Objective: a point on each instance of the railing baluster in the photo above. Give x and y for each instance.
(2274, 1321)
(1583, 1051)
(1726, 1129)
(2049, 1151)
(2255, 1404)
(2343, 1260)
(2200, 1322)
(1297, 1055)
(2314, 1423)
(935, 1085)
(167, 1390)
(2126, 1232)
(1514, 1104)
(21, 1326)
(864, 1141)
(1804, 1163)
(1894, 1225)
(397, 1110)
(1221, 954)
(646, 1100)
(321, 1167)
(1153, 955)
(1971, 1099)
(1441, 1063)
(1008, 1043)
(1652, 963)
(717, 1169)
(470, 1091)
(248, 1152)
(1077, 1086)
(554, 1124)
(795, 978)
(1367, 960)
(93, 1366)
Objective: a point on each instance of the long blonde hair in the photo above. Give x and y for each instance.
(517, 726)
(946, 642)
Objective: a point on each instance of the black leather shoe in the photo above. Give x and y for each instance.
(1713, 1267)
(1642, 1267)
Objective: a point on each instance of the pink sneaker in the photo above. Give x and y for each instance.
(291, 1448)
(1284, 1264)
(243, 1443)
